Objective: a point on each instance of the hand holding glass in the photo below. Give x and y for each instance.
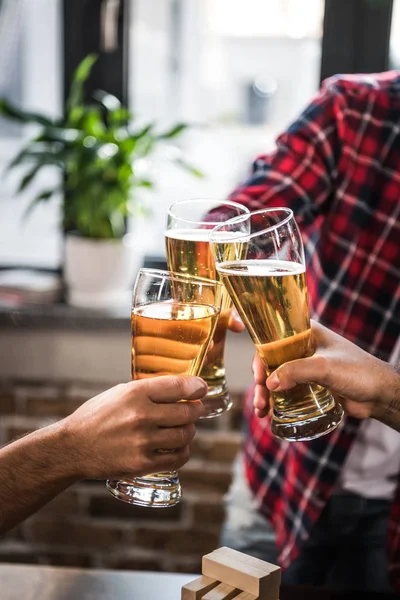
(173, 321)
(260, 260)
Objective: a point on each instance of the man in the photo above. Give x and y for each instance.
(338, 168)
(117, 434)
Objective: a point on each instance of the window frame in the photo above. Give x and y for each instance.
(111, 71)
(363, 28)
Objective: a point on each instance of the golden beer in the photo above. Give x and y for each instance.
(189, 253)
(272, 300)
(170, 338)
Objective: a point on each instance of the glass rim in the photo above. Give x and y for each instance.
(211, 223)
(162, 274)
(243, 218)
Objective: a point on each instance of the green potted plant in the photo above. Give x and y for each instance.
(97, 149)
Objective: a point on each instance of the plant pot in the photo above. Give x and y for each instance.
(100, 273)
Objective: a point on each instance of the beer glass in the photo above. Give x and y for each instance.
(188, 252)
(265, 275)
(173, 321)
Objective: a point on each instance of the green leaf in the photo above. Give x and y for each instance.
(65, 135)
(143, 132)
(174, 132)
(92, 122)
(188, 167)
(128, 145)
(39, 153)
(146, 183)
(120, 117)
(84, 68)
(20, 157)
(43, 197)
(10, 111)
(117, 223)
(28, 178)
(144, 145)
(75, 116)
(109, 101)
(79, 78)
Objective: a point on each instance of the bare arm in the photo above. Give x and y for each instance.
(365, 385)
(114, 435)
(33, 470)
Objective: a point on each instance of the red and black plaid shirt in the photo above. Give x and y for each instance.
(338, 168)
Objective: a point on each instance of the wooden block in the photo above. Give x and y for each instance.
(223, 591)
(243, 576)
(195, 590)
(246, 596)
(262, 565)
(270, 569)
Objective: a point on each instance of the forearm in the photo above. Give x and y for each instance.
(387, 404)
(33, 470)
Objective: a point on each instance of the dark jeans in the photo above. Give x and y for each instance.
(346, 549)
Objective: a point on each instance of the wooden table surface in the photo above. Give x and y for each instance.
(32, 582)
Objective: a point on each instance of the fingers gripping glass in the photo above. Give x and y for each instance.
(260, 260)
(173, 321)
(189, 225)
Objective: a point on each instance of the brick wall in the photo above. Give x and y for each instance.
(86, 527)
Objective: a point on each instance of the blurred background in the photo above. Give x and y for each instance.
(237, 72)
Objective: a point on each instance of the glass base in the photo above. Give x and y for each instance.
(217, 400)
(300, 430)
(154, 492)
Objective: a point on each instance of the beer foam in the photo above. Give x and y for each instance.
(260, 268)
(189, 235)
(198, 235)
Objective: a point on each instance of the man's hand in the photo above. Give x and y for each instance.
(364, 385)
(116, 434)
(235, 323)
(120, 432)
(262, 406)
